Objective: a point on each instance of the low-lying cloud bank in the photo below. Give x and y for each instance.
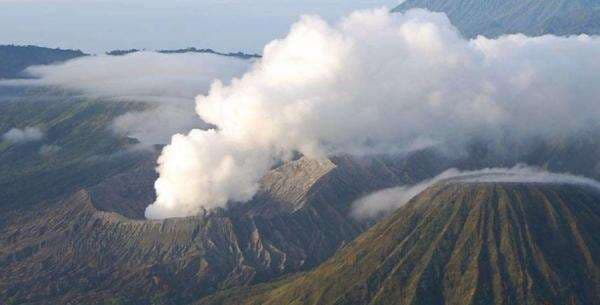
(146, 76)
(385, 201)
(167, 81)
(375, 83)
(27, 134)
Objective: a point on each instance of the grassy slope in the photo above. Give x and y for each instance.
(79, 127)
(14, 59)
(474, 244)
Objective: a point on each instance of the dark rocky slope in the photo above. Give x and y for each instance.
(80, 251)
(299, 219)
(461, 243)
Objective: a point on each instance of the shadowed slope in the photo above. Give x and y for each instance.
(462, 243)
(14, 59)
(532, 17)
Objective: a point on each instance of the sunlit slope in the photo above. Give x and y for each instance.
(461, 243)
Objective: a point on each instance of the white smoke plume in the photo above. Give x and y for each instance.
(376, 82)
(27, 134)
(383, 202)
(157, 124)
(169, 82)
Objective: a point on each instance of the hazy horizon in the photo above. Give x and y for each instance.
(97, 26)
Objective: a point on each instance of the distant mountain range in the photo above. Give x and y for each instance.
(189, 50)
(14, 59)
(493, 18)
(472, 17)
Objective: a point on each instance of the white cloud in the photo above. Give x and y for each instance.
(168, 81)
(375, 83)
(157, 124)
(140, 75)
(28, 134)
(385, 201)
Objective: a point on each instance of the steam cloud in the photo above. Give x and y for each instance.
(28, 134)
(374, 83)
(385, 201)
(167, 81)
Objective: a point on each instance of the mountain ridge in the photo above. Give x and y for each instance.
(530, 17)
(14, 59)
(460, 243)
(96, 242)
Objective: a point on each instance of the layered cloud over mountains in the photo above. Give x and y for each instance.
(169, 82)
(375, 83)
(387, 200)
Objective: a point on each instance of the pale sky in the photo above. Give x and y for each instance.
(100, 25)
